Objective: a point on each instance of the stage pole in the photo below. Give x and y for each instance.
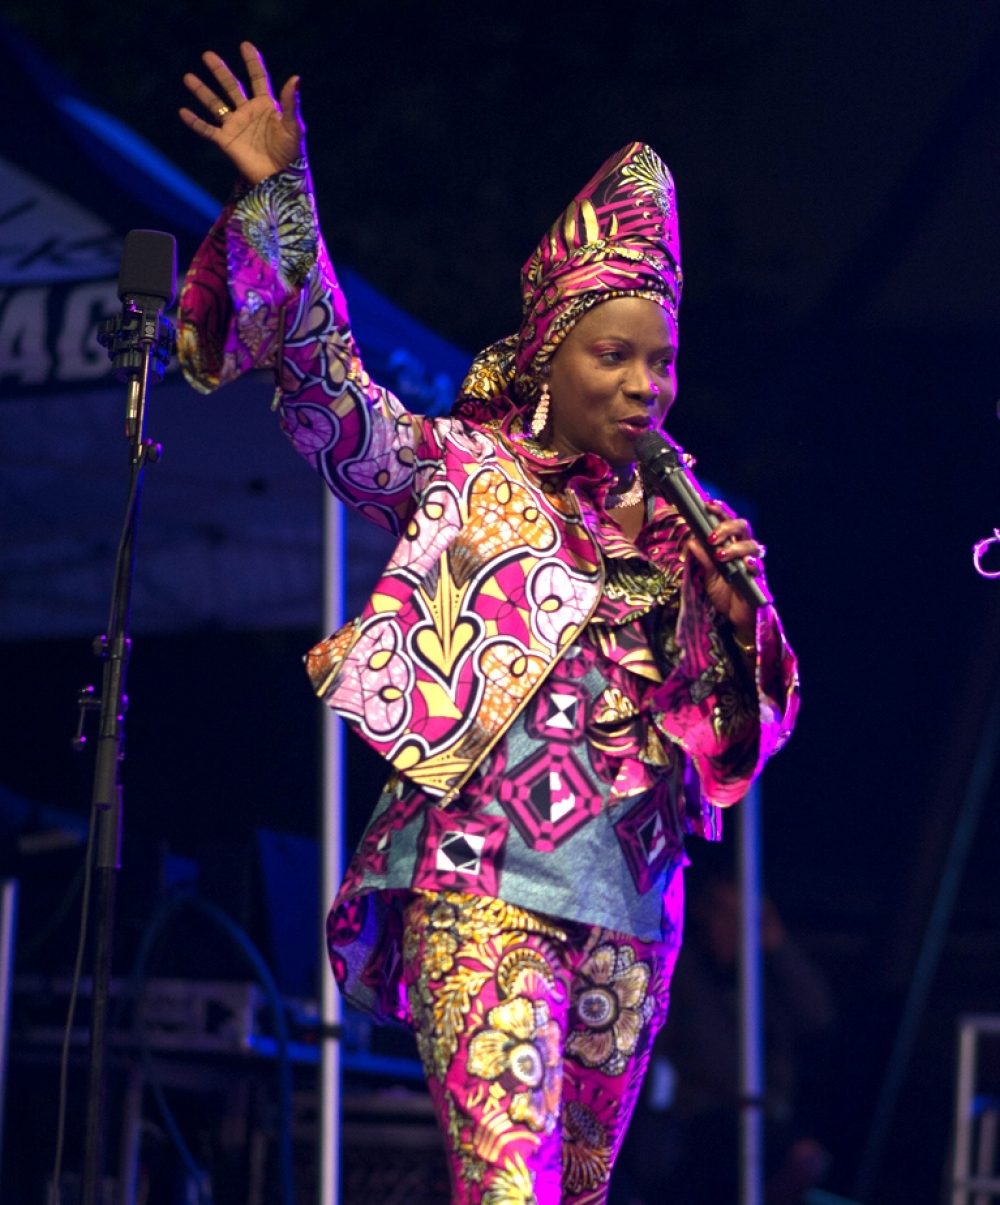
(8, 929)
(331, 858)
(751, 1118)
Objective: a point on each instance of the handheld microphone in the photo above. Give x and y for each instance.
(666, 471)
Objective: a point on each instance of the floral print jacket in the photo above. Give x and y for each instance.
(497, 569)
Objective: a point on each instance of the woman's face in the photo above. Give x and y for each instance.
(612, 378)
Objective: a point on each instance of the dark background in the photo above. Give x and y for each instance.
(837, 170)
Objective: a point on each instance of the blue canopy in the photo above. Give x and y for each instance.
(231, 530)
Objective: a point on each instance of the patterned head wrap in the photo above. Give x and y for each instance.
(617, 238)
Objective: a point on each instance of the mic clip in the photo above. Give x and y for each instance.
(130, 332)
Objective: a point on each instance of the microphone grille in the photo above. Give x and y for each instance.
(649, 445)
(149, 266)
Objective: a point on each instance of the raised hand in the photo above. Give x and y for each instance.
(259, 134)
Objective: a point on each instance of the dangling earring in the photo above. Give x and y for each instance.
(541, 416)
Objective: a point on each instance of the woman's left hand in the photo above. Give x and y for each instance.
(732, 540)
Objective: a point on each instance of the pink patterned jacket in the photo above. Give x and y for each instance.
(497, 569)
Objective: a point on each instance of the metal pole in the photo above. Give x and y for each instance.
(963, 1180)
(331, 858)
(964, 1091)
(8, 926)
(751, 1009)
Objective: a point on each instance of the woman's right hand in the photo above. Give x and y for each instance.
(259, 134)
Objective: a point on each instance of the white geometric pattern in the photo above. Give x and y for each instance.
(460, 853)
(562, 713)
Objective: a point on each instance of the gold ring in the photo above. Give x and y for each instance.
(222, 110)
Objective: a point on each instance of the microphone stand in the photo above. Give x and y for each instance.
(139, 342)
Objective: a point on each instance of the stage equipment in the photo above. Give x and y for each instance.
(976, 1118)
(139, 340)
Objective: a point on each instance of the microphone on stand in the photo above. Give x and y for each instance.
(147, 277)
(666, 469)
(140, 339)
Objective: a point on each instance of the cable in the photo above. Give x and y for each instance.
(158, 922)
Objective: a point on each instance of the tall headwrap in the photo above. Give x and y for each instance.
(618, 237)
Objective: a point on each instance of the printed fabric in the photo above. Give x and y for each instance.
(503, 582)
(534, 1036)
(618, 237)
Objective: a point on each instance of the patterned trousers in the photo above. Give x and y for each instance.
(534, 1036)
